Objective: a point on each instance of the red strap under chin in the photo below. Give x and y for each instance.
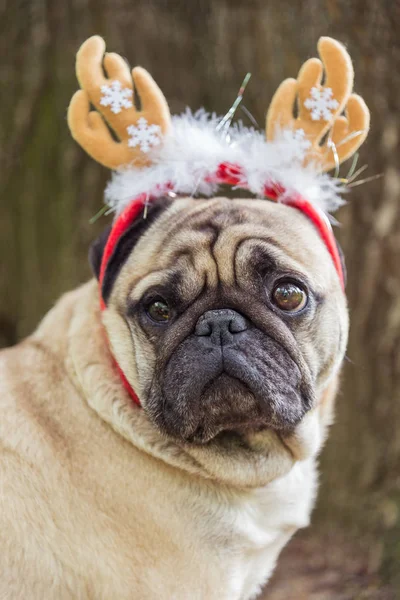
(230, 174)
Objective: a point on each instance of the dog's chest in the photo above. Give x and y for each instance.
(203, 541)
(251, 528)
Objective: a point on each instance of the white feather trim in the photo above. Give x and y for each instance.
(195, 148)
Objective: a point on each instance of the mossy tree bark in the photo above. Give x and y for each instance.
(198, 52)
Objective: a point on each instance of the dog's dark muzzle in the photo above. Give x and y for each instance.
(228, 374)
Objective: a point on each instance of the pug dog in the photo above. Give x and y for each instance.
(228, 318)
(160, 429)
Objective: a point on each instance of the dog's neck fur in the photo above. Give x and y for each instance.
(257, 460)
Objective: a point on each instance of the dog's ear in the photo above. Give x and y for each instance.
(124, 246)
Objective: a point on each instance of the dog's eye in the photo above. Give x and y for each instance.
(158, 310)
(289, 296)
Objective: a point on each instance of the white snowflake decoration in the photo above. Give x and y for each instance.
(321, 104)
(116, 97)
(144, 135)
(300, 143)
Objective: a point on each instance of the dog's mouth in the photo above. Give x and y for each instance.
(252, 385)
(229, 406)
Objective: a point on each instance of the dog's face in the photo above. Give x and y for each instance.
(225, 315)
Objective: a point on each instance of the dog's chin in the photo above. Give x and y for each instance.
(226, 406)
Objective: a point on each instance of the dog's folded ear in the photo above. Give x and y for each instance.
(124, 246)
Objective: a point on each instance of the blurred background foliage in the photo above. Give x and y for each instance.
(198, 51)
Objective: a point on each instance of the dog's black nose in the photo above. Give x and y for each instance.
(220, 326)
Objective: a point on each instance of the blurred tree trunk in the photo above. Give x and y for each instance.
(198, 52)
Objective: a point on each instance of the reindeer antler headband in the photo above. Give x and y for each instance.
(189, 154)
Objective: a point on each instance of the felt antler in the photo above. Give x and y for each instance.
(137, 131)
(319, 107)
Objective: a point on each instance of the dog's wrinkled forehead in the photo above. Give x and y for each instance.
(223, 242)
